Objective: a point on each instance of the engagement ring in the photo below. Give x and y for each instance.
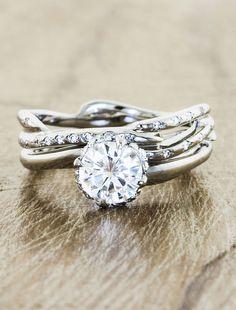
(117, 149)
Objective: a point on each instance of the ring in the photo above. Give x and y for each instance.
(117, 149)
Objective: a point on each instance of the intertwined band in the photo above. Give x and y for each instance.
(173, 142)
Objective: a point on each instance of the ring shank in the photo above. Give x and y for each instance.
(184, 136)
(156, 174)
(167, 171)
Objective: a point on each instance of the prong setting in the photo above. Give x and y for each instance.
(111, 170)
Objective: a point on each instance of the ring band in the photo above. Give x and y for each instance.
(116, 148)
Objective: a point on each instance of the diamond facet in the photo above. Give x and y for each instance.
(111, 173)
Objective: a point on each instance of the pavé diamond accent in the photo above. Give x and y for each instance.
(186, 145)
(166, 153)
(86, 137)
(59, 139)
(176, 120)
(111, 172)
(73, 138)
(159, 125)
(109, 136)
(48, 141)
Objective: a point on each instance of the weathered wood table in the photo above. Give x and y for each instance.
(175, 247)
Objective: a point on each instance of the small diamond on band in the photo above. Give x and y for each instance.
(186, 145)
(73, 138)
(166, 153)
(159, 125)
(48, 141)
(60, 139)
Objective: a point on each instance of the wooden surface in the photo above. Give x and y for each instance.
(175, 248)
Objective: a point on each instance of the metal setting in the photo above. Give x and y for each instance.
(136, 146)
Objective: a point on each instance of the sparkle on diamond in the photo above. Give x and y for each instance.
(110, 172)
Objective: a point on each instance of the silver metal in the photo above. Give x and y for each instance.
(173, 142)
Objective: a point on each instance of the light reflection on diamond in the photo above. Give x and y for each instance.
(111, 172)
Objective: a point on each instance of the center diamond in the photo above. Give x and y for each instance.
(111, 172)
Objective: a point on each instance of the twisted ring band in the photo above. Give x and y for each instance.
(116, 148)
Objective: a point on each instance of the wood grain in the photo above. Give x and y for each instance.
(174, 248)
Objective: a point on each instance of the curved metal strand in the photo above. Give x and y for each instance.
(174, 142)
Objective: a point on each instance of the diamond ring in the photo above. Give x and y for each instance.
(117, 149)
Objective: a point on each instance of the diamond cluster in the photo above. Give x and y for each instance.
(111, 170)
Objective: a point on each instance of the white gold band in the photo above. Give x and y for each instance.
(173, 142)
